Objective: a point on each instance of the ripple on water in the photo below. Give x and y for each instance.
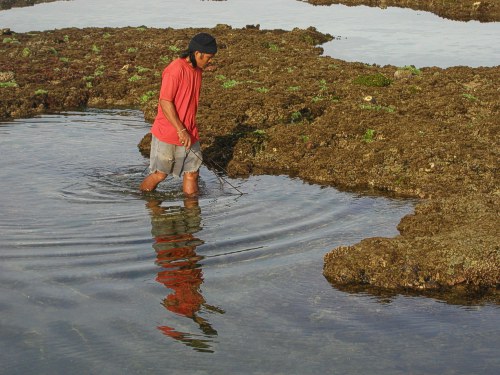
(93, 271)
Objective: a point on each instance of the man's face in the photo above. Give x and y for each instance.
(202, 59)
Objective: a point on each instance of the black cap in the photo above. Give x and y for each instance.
(204, 43)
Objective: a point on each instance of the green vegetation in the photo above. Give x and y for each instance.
(296, 116)
(99, 71)
(368, 136)
(270, 45)
(164, 59)
(257, 140)
(132, 50)
(26, 52)
(8, 84)
(273, 47)
(373, 80)
(106, 35)
(95, 49)
(64, 59)
(470, 97)
(412, 69)
(322, 85)
(227, 83)
(309, 40)
(10, 40)
(262, 90)
(174, 49)
(135, 78)
(141, 69)
(41, 92)
(66, 38)
(147, 96)
(293, 88)
(322, 95)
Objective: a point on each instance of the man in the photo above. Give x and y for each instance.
(175, 146)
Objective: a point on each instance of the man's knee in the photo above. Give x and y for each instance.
(152, 180)
(191, 175)
(160, 175)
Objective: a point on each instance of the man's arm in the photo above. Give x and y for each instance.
(168, 109)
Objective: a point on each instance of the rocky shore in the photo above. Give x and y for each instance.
(281, 107)
(463, 10)
(8, 4)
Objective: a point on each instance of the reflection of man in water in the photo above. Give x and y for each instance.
(175, 246)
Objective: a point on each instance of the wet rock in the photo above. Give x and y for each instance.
(370, 99)
(457, 253)
(283, 108)
(7, 4)
(6, 76)
(464, 10)
(403, 74)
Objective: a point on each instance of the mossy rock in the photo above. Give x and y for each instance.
(373, 80)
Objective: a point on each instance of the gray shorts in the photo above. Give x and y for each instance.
(172, 159)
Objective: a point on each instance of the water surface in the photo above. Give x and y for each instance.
(98, 279)
(383, 36)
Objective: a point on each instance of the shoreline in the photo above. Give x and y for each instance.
(427, 133)
(464, 10)
(9, 4)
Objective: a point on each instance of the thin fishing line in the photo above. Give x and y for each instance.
(219, 177)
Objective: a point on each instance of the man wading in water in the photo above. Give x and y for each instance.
(175, 146)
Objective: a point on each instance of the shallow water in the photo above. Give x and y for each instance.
(383, 36)
(98, 279)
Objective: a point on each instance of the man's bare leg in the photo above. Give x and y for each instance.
(151, 182)
(190, 183)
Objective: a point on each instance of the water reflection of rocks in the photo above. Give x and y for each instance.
(173, 230)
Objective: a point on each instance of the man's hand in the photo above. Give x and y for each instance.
(170, 113)
(184, 138)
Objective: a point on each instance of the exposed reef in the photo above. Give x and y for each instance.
(274, 105)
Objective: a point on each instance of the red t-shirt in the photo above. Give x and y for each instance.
(180, 84)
